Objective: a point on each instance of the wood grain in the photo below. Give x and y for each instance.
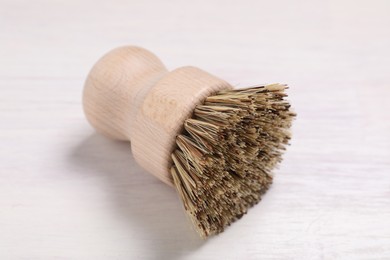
(129, 95)
(68, 193)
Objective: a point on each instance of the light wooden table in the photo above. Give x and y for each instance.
(68, 193)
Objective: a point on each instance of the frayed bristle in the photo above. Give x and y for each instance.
(224, 158)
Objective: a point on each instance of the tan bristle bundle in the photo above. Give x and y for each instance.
(224, 158)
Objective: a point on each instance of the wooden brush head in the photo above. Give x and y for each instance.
(218, 146)
(130, 95)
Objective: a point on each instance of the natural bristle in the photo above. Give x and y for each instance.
(224, 158)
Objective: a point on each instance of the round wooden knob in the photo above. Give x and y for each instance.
(112, 87)
(130, 95)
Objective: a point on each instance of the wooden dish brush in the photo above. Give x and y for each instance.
(192, 130)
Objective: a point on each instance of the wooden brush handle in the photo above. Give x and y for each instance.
(130, 95)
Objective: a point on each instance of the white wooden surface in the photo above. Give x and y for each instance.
(68, 193)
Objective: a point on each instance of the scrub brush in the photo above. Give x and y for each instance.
(216, 145)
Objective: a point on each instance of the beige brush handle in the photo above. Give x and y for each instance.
(130, 95)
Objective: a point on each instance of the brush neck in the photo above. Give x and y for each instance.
(130, 95)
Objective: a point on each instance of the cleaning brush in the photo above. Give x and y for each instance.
(216, 145)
